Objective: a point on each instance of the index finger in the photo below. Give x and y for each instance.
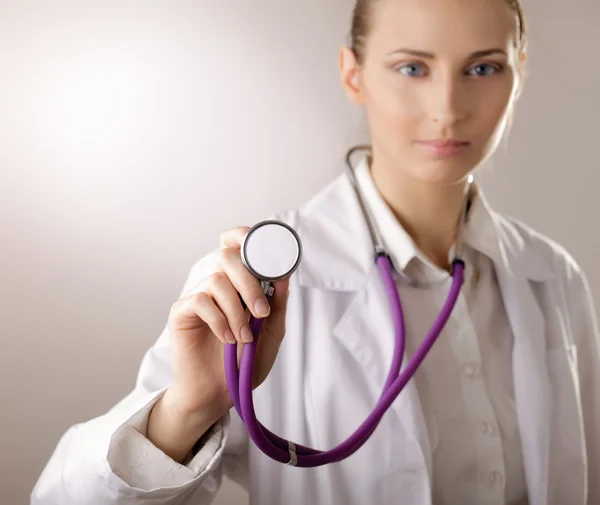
(234, 237)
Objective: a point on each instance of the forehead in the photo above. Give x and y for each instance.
(443, 25)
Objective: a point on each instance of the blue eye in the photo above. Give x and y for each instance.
(483, 70)
(412, 70)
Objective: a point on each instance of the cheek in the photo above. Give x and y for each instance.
(393, 104)
(491, 117)
(399, 96)
(494, 102)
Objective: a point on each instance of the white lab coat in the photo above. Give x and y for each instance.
(332, 366)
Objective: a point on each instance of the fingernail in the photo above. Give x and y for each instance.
(229, 337)
(247, 334)
(262, 308)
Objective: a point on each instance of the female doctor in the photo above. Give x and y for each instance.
(505, 409)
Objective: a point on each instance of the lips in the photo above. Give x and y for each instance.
(444, 143)
(445, 147)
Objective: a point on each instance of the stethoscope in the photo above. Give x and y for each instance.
(272, 251)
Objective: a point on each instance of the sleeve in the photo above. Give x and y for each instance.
(108, 460)
(587, 336)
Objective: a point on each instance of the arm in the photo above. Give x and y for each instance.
(110, 460)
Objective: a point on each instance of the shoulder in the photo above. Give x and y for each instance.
(572, 292)
(326, 202)
(568, 288)
(557, 257)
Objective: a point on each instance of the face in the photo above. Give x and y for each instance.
(438, 82)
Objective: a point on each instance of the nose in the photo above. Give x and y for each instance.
(448, 101)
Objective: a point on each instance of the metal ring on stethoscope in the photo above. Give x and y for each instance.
(262, 276)
(293, 455)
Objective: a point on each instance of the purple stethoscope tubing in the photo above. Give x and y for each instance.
(240, 382)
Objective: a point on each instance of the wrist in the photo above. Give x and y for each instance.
(206, 410)
(206, 413)
(175, 431)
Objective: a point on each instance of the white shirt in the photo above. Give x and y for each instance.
(465, 383)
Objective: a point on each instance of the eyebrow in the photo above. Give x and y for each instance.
(431, 56)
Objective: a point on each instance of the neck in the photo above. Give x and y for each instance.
(428, 212)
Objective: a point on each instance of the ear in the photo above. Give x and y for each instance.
(350, 75)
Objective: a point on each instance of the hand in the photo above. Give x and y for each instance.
(199, 326)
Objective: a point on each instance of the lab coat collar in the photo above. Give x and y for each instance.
(339, 255)
(479, 233)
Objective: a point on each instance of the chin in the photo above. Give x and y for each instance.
(447, 172)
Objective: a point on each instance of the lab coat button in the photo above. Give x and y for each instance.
(494, 479)
(500, 479)
(471, 370)
(488, 479)
(487, 428)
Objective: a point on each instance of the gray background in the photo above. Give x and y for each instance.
(132, 133)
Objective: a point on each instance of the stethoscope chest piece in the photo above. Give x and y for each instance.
(271, 251)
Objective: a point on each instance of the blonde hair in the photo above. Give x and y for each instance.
(361, 26)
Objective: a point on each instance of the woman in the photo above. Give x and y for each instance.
(506, 407)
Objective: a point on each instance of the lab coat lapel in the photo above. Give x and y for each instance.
(532, 390)
(518, 266)
(339, 258)
(366, 330)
